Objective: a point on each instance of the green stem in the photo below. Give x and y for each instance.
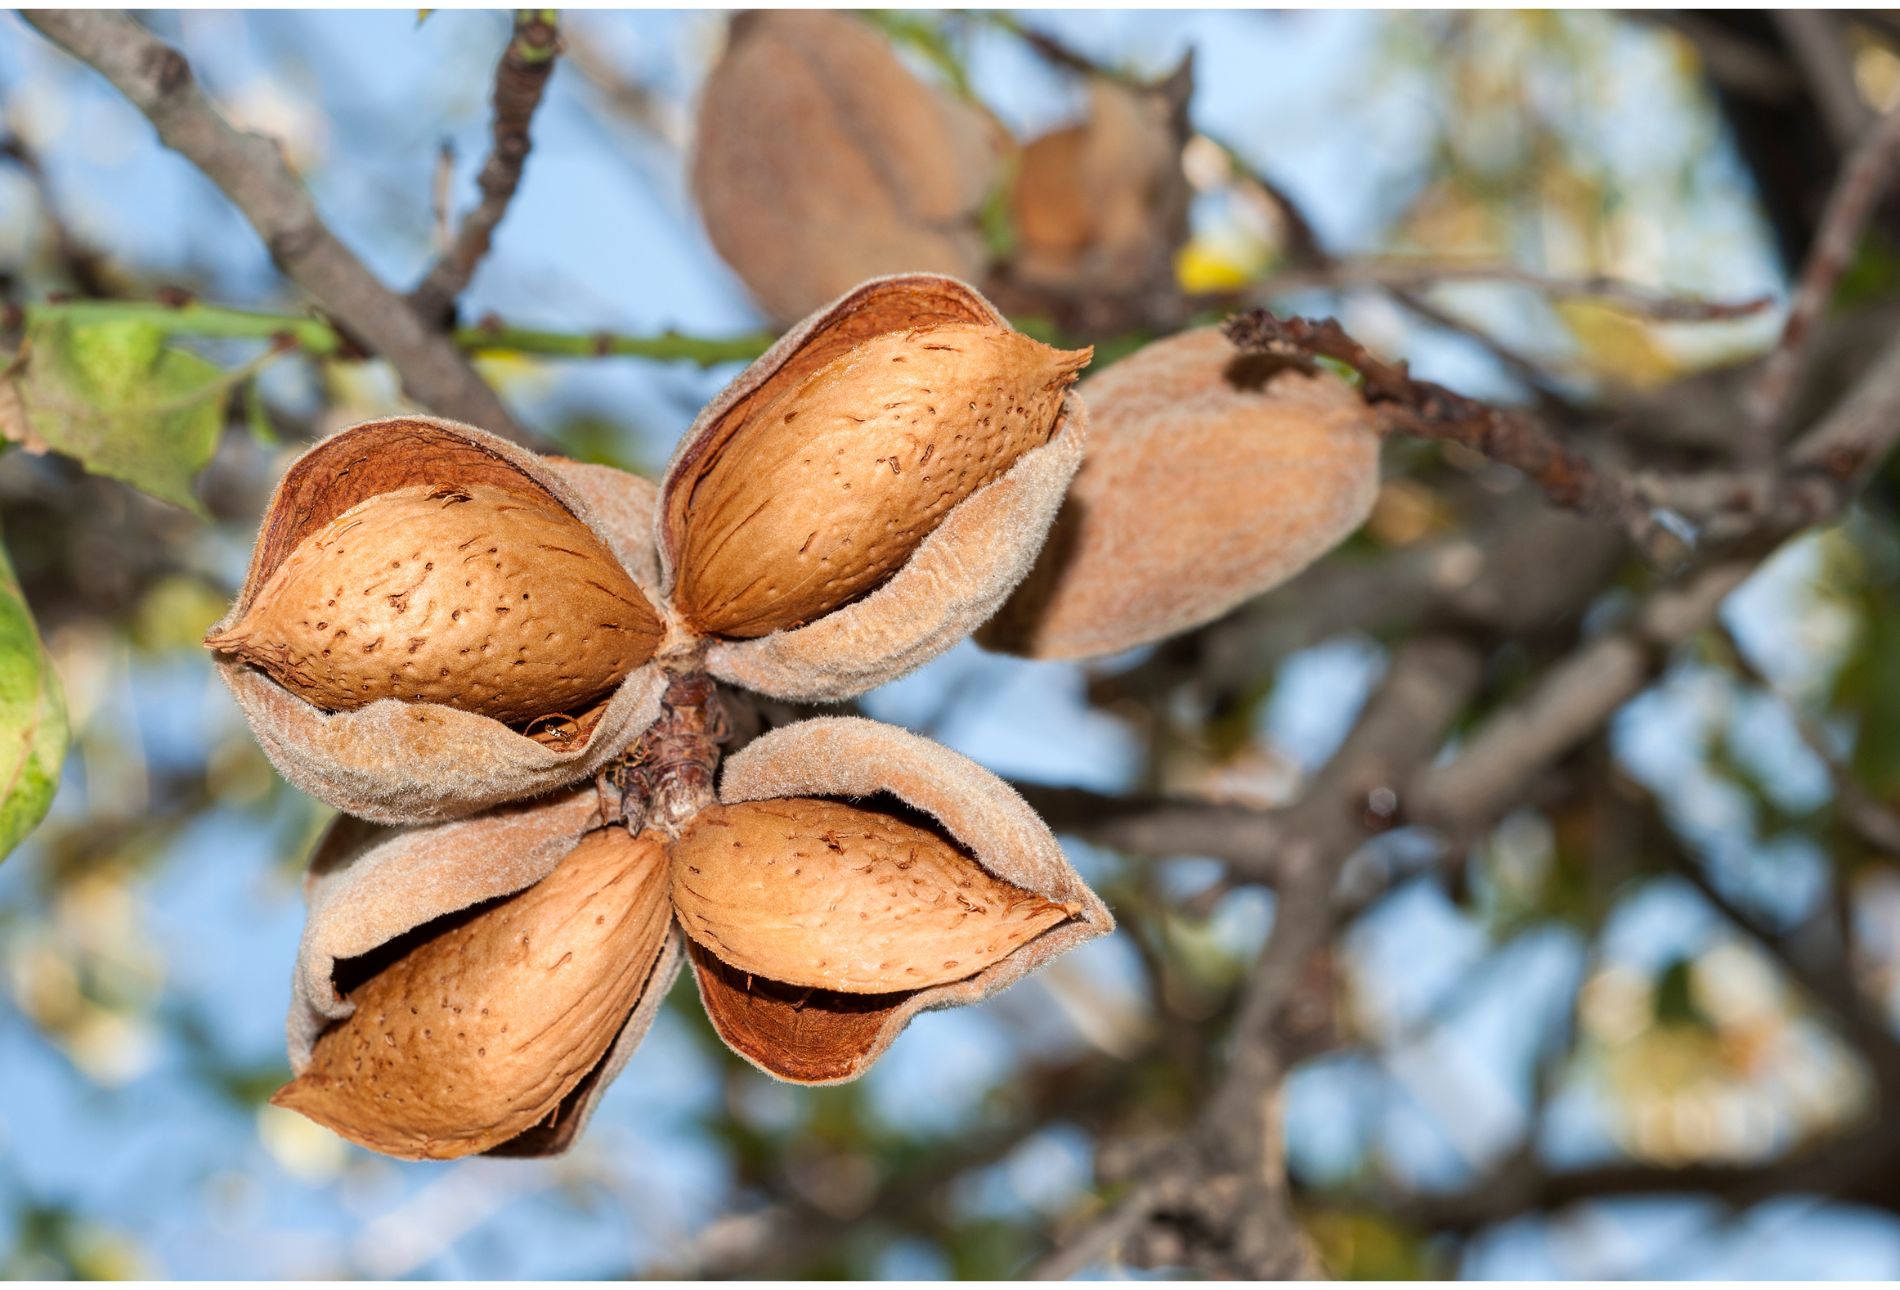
(217, 321)
(668, 345)
(318, 337)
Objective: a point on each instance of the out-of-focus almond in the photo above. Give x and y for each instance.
(482, 1023)
(819, 161)
(833, 479)
(1100, 208)
(814, 893)
(1210, 477)
(474, 596)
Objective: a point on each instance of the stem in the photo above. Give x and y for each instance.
(313, 335)
(706, 351)
(318, 337)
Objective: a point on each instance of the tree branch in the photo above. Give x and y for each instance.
(250, 170)
(1850, 205)
(1221, 1190)
(1418, 275)
(1430, 411)
(520, 79)
(184, 316)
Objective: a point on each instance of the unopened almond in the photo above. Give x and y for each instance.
(1100, 206)
(1211, 476)
(811, 892)
(476, 1033)
(832, 481)
(479, 597)
(819, 160)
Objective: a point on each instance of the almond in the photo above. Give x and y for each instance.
(479, 597)
(814, 893)
(833, 480)
(488, 1020)
(820, 160)
(1210, 477)
(1100, 207)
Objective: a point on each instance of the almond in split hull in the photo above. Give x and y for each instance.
(477, 1033)
(814, 893)
(833, 481)
(478, 597)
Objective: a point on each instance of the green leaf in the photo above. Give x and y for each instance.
(115, 396)
(32, 717)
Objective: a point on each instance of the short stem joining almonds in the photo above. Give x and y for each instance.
(666, 777)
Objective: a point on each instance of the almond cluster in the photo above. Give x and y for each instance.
(505, 670)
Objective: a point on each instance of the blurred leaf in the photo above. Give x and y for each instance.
(925, 34)
(176, 613)
(32, 717)
(1872, 274)
(115, 396)
(1209, 264)
(1361, 1246)
(1675, 1001)
(257, 415)
(997, 220)
(1616, 345)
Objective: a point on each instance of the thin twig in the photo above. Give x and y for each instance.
(1305, 250)
(1867, 175)
(183, 316)
(1659, 306)
(521, 77)
(1100, 1238)
(1428, 410)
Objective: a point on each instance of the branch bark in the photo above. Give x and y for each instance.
(521, 77)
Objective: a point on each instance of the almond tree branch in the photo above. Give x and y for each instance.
(184, 316)
(1430, 411)
(1418, 275)
(1218, 1197)
(1305, 251)
(250, 169)
(521, 77)
(1826, 63)
(1864, 180)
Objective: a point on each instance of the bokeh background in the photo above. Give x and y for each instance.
(1569, 998)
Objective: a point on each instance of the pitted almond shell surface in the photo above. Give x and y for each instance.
(479, 598)
(953, 580)
(401, 763)
(827, 487)
(817, 893)
(368, 885)
(822, 1036)
(479, 1030)
(1210, 477)
(820, 160)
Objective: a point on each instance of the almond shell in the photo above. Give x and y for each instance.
(370, 884)
(407, 763)
(955, 579)
(824, 1037)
